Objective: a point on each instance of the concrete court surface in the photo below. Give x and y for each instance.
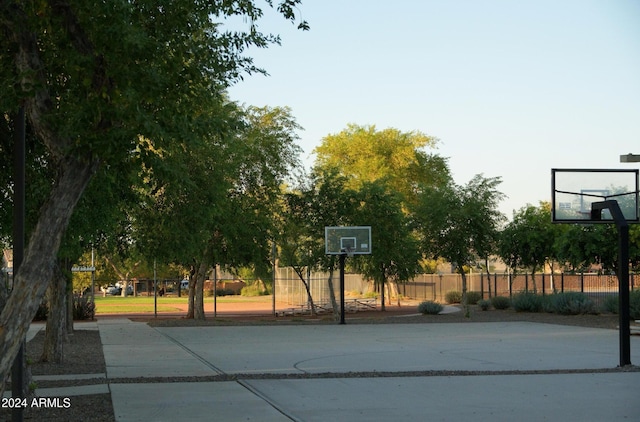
(137, 350)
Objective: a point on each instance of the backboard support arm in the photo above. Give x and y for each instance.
(623, 273)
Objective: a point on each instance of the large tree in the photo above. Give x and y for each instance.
(459, 223)
(320, 199)
(364, 154)
(578, 247)
(395, 255)
(218, 204)
(95, 78)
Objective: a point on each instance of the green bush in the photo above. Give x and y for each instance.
(83, 308)
(253, 290)
(453, 296)
(527, 302)
(484, 304)
(634, 304)
(610, 304)
(219, 292)
(473, 297)
(500, 302)
(571, 303)
(430, 308)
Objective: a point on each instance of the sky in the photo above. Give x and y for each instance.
(511, 88)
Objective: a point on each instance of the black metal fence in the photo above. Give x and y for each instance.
(290, 289)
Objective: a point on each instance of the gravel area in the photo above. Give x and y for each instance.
(83, 352)
(83, 355)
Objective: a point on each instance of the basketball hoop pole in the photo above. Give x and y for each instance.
(623, 273)
(343, 255)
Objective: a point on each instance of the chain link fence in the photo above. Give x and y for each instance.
(291, 290)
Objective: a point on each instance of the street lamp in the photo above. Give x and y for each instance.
(630, 158)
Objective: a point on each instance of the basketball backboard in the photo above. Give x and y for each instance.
(574, 190)
(354, 240)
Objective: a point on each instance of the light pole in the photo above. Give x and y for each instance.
(623, 279)
(630, 158)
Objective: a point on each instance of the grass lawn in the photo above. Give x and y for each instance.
(130, 304)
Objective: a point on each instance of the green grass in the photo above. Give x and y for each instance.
(143, 304)
(123, 305)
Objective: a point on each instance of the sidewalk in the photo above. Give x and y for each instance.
(368, 364)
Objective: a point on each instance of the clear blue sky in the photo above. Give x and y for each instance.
(511, 88)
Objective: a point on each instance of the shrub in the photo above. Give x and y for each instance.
(219, 292)
(610, 304)
(634, 304)
(253, 290)
(453, 296)
(527, 302)
(500, 302)
(83, 308)
(484, 304)
(473, 298)
(430, 308)
(571, 303)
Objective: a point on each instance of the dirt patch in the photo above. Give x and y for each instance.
(394, 315)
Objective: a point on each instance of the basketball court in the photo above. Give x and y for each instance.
(497, 371)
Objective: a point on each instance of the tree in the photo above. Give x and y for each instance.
(91, 104)
(396, 162)
(527, 241)
(220, 207)
(579, 246)
(364, 154)
(321, 199)
(459, 223)
(395, 253)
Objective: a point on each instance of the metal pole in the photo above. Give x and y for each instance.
(623, 274)
(215, 288)
(273, 277)
(342, 258)
(17, 371)
(155, 290)
(623, 297)
(93, 277)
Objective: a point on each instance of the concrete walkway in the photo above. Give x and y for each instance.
(521, 354)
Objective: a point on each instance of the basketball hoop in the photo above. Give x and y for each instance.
(348, 251)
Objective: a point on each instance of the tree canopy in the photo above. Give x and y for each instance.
(527, 241)
(102, 81)
(460, 223)
(364, 154)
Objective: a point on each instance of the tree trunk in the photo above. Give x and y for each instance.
(36, 271)
(486, 264)
(382, 283)
(69, 309)
(191, 300)
(393, 286)
(332, 296)
(382, 305)
(533, 280)
(55, 332)
(465, 301)
(199, 291)
(298, 271)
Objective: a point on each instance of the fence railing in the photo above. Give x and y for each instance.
(290, 289)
